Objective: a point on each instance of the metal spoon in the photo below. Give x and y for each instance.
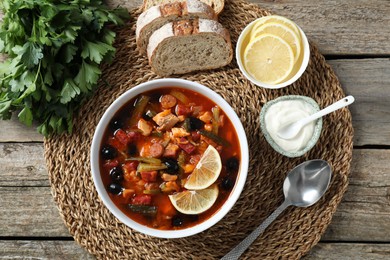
(291, 130)
(303, 186)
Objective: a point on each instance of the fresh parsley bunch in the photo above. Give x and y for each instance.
(54, 50)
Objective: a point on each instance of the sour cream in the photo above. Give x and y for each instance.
(285, 112)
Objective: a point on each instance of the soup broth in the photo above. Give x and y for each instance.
(151, 147)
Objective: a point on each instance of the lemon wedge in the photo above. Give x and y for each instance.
(206, 171)
(195, 201)
(269, 59)
(283, 32)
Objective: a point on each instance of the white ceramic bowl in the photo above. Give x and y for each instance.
(243, 40)
(123, 99)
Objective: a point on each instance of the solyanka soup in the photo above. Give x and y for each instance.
(169, 158)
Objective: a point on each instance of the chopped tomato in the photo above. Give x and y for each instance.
(195, 159)
(195, 136)
(186, 146)
(133, 136)
(131, 177)
(143, 199)
(121, 136)
(182, 110)
(130, 166)
(149, 176)
(116, 144)
(108, 165)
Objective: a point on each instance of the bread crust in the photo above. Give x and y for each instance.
(167, 13)
(217, 5)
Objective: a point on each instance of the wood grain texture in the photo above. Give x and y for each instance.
(366, 79)
(360, 229)
(354, 27)
(27, 249)
(14, 131)
(348, 251)
(339, 27)
(23, 164)
(364, 212)
(362, 216)
(29, 212)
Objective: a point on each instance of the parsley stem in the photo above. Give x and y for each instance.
(38, 72)
(9, 76)
(34, 36)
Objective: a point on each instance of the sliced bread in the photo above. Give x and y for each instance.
(217, 5)
(189, 45)
(156, 16)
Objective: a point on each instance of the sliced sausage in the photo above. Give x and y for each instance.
(168, 101)
(156, 150)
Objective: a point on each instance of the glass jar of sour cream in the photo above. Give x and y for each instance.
(286, 110)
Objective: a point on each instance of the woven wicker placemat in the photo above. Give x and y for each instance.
(292, 235)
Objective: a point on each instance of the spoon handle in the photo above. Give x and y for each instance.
(335, 106)
(236, 252)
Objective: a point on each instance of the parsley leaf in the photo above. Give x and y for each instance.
(26, 116)
(96, 51)
(54, 49)
(31, 55)
(88, 75)
(69, 91)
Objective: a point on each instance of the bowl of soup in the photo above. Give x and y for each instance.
(169, 158)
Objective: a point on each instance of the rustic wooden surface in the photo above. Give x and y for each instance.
(353, 35)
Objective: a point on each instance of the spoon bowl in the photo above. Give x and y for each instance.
(307, 182)
(303, 186)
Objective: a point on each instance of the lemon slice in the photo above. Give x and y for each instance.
(269, 59)
(283, 32)
(206, 171)
(276, 19)
(195, 201)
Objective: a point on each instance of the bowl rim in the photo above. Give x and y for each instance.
(123, 99)
(305, 61)
(317, 129)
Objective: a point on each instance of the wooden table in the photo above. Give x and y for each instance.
(354, 36)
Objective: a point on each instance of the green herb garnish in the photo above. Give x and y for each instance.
(54, 50)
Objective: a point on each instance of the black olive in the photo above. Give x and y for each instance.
(108, 152)
(227, 183)
(116, 124)
(195, 123)
(116, 174)
(173, 166)
(177, 221)
(115, 188)
(232, 164)
(154, 98)
(146, 117)
(131, 149)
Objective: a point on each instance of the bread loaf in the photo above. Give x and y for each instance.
(156, 16)
(189, 45)
(217, 5)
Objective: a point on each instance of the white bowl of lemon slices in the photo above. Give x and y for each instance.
(272, 52)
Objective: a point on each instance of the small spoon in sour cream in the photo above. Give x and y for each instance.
(291, 130)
